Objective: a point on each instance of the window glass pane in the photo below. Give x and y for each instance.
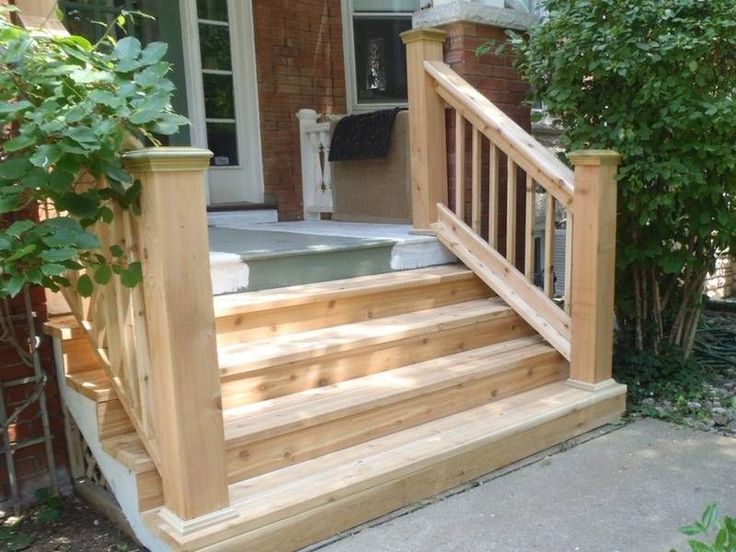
(380, 59)
(385, 5)
(214, 43)
(218, 96)
(215, 10)
(222, 140)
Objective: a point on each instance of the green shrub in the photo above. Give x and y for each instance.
(75, 106)
(656, 81)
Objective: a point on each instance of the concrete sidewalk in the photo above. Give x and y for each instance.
(628, 490)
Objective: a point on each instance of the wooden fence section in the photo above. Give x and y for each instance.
(578, 323)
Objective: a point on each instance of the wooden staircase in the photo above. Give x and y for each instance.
(345, 400)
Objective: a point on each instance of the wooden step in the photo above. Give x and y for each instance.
(280, 432)
(272, 434)
(268, 313)
(293, 507)
(291, 363)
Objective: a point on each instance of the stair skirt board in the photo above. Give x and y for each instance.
(122, 481)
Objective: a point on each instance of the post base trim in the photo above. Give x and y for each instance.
(592, 387)
(185, 527)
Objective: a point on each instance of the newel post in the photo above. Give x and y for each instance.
(177, 289)
(426, 127)
(593, 267)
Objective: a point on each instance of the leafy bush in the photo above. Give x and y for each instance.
(75, 106)
(725, 536)
(654, 80)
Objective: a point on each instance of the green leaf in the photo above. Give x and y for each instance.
(127, 49)
(53, 269)
(697, 546)
(103, 274)
(709, 516)
(82, 135)
(58, 254)
(85, 286)
(22, 252)
(13, 286)
(692, 529)
(116, 251)
(19, 143)
(144, 116)
(132, 276)
(18, 227)
(60, 180)
(10, 203)
(154, 52)
(14, 169)
(46, 155)
(7, 108)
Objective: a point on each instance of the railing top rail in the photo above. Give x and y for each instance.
(540, 163)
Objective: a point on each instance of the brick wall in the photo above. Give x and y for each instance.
(299, 58)
(497, 79)
(30, 462)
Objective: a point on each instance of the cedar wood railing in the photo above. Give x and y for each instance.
(582, 329)
(156, 342)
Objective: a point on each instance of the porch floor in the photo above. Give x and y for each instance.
(249, 256)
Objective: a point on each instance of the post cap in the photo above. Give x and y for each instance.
(167, 159)
(428, 35)
(595, 157)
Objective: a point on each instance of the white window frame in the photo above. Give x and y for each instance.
(348, 48)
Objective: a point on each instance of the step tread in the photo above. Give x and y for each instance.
(93, 384)
(264, 419)
(275, 496)
(64, 327)
(291, 348)
(239, 303)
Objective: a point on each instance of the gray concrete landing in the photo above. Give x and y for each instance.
(628, 491)
(252, 256)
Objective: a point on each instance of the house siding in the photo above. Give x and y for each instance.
(299, 59)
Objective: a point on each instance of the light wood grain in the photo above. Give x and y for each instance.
(459, 165)
(476, 205)
(529, 229)
(510, 284)
(594, 254)
(549, 246)
(511, 211)
(493, 196)
(426, 128)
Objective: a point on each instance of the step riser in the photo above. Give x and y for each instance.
(255, 458)
(278, 380)
(316, 521)
(264, 324)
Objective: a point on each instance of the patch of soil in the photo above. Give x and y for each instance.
(68, 525)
